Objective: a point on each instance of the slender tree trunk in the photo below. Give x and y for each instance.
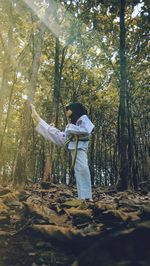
(92, 158)
(7, 117)
(9, 54)
(8, 45)
(105, 162)
(50, 162)
(23, 156)
(3, 90)
(96, 156)
(56, 96)
(123, 127)
(101, 159)
(135, 168)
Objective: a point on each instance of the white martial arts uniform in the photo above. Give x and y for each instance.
(83, 127)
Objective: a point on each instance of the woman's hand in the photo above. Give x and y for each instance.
(34, 114)
(52, 125)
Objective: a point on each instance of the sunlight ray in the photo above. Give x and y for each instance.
(50, 20)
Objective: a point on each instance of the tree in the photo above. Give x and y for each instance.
(122, 118)
(23, 154)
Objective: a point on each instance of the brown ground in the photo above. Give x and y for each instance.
(46, 225)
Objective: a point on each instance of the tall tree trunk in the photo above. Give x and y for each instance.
(3, 90)
(9, 53)
(23, 156)
(56, 96)
(91, 163)
(8, 112)
(123, 125)
(92, 154)
(8, 46)
(50, 162)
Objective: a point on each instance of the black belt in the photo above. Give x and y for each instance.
(79, 139)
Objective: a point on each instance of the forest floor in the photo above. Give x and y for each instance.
(45, 225)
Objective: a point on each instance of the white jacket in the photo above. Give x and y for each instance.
(83, 127)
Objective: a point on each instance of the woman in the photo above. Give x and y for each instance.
(76, 136)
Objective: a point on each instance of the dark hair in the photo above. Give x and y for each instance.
(77, 111)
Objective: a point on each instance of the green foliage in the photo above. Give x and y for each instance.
(90, 74)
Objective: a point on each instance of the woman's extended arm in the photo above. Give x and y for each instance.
(49, 132)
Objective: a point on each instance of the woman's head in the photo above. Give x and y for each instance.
(74, 111)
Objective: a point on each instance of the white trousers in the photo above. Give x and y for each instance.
(82, 175)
